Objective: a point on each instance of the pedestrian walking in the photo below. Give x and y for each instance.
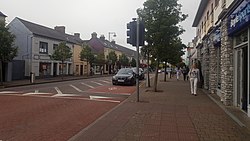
(185, 73)
(194, 77)
(178, 73)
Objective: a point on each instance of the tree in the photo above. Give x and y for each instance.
(87, 55)
(124, 61)
(112, 59)
(133, 62)
(161, 18)
(7, 49)
(62, 53)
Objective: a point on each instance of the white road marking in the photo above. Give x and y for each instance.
(79, 90)
(97, 97)
(127, 94)
(105, 81)
(62, 95)
(58, 91)
(87, 85)
(112, 88)
(8, 92)
(36, 93)
(101, 98)
(97, 83)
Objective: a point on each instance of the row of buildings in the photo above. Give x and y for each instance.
(36, 44)
(221, 47)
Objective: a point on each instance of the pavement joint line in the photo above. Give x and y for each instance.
(87, 85)
(97, 83)
(79, 90)
(227, 112)
(58, 91)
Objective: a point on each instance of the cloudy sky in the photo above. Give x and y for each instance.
(88, 16)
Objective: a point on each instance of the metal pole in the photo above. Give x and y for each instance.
(137, 59)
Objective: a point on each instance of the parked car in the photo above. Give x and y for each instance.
(141, 73)
(124, 76)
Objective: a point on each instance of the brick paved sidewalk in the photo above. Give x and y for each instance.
(172, 114)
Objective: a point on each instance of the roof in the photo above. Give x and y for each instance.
(98, 45)
(1, 14)
(49, 32)
(200, 12)
(115, 46)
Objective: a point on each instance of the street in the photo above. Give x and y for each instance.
(56, 111)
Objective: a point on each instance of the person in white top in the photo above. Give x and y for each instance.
(194, 77)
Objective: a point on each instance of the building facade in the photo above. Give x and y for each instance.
(223, 49)
(36, 44)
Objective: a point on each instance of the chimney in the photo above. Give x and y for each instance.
(94, 35)
(2, 17)
(113, 41)
(60, 29)
(77, 35)
(102, 37)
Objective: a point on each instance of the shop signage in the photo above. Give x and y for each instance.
(239, 18)
(217, 38)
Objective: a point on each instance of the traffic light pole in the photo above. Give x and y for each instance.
(137, 59)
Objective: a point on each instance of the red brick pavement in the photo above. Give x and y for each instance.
(172, 114)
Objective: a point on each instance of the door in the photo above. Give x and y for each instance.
(244, 78)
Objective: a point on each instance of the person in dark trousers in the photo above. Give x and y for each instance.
(185, 73)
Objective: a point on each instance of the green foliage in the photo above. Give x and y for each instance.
(7, 49)
(62, 52)
(133, 62)
(87, 55)
(99, 58)
(161, 18)
(124, 60)
(112, 57)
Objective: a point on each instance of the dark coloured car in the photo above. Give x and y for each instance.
(124, 76)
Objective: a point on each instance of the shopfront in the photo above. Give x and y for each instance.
(239, 30)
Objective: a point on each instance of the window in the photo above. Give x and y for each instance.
(216, 3)
(55, 46)
(208, 18)
(212, 13)
(223, 4)
(43, 48)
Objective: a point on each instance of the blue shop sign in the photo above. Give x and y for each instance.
(239, 18)
(217, 38)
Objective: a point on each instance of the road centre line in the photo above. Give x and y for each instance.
(79, 90)
(97, 83)
(87, 85)
(58, 91)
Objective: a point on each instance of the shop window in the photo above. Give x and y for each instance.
(43, 48)
(242, 38)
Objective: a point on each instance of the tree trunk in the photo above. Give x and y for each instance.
(1, 73)
(62, 68)
(156, 77)
(148, 78)
(87, 68)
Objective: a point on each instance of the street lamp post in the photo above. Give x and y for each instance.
(114, 34)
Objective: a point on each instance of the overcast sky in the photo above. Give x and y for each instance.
(88, 16)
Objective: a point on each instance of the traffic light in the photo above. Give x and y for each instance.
(141, 34)
(131, 33)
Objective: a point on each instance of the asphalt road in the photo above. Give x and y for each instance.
(56, 111)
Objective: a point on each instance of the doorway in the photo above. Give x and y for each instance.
(242, 77)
